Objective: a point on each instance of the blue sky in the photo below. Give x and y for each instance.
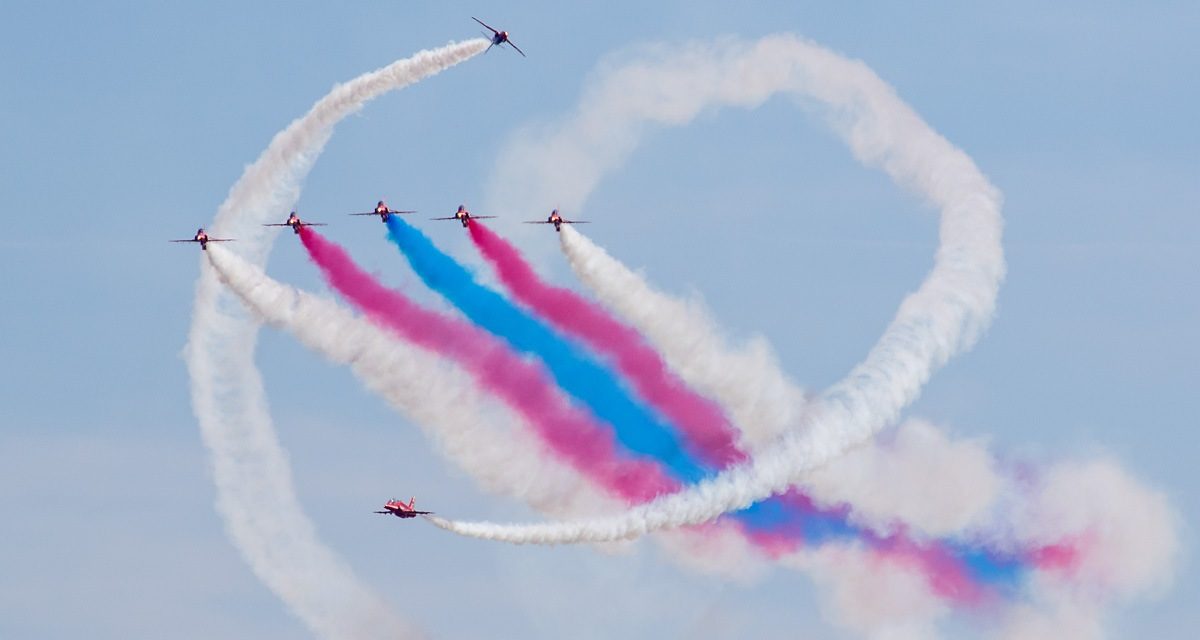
(124, 124)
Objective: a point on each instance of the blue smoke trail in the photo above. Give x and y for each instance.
(636, 426)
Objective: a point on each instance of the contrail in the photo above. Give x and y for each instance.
(255, 495)
(521, 383)
(943, 317)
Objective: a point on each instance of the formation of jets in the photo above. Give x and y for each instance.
(394, 507)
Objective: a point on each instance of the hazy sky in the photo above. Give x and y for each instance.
(124, 124)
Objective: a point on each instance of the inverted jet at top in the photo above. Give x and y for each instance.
(498, 37)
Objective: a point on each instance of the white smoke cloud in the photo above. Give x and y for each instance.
(871, 595)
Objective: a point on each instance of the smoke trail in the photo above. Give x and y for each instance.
(748, 382)
(709, 434)
(484, 439)
(521, 383)
(944, 316)
(255, 496)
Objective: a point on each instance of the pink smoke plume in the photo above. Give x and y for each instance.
(520, 383)
(709, 435)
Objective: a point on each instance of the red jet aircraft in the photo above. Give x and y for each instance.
(382, 211)
(295, 223)
(464, 216)
(556, 220)
(498, 37)
(401, 510)
(202, 237)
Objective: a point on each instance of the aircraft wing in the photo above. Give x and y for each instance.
(421, 513)
(313, 224)
(538, 222)
(576, 221)
(481, 217)
(277, 224)
(518, 49)
(395, 211)
(189, 240)
(484, 24)
(368, 213)
(450, 218)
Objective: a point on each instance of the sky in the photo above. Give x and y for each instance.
(124, 125)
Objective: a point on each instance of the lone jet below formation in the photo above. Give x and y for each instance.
(202, 237)
(556, 220)
(401, 510)
(381, 210)
(464, 216)
(498, 38)
(295, 223)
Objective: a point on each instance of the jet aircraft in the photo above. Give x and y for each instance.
(498, 37)
(556, 220)
(295, 223)
(400, 510)
(381, 210)
(464, 216)
(202, 237)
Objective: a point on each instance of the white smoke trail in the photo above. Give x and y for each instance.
(748, 382)
(486, 440)
(255, 495)
(944, 316)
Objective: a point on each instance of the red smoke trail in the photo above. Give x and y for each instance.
(520, 383)
(708, 433)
